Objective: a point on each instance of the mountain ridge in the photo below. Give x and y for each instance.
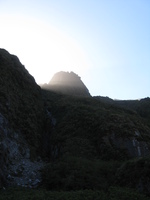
(69, 142)
(67, 83)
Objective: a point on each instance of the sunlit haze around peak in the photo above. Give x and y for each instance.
(43, 49)
(107, 43)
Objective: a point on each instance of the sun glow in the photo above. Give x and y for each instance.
(42, 48)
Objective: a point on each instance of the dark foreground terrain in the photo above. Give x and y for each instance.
(59, 142)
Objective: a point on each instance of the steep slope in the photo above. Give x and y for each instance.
(90, 141)
(102, 125)
(20, 97)
(22, 117)
(67, 83)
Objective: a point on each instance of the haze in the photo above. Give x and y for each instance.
(107, 43)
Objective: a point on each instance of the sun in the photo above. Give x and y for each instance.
(41, 47)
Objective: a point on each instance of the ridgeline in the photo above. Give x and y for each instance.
(58, 137)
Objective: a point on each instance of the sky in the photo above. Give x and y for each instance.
(105, 42)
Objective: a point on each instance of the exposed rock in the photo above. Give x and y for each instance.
(25, 173)
(67, 83)
(16, 167)
(133, 145)
(20, 99)
(22, 118)
(36, 123)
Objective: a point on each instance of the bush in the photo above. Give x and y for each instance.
(72, 173)
(135, 174)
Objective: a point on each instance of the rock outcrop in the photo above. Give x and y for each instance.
(38, 125)
(67, 83)
(20, 99)
(17, 168)
(22, 117)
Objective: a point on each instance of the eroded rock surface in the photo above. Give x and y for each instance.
(16, 165)
(67, 83)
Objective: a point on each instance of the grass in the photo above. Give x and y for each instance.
(114, 193)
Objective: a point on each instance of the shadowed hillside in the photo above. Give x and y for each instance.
(91, 141)
(20, 98)
(62, 139)
(140, 106)
(22, 121)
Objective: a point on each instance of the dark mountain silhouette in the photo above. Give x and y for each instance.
(140, 106)
(20, 97)
(62, 139)
(67, 83)
(22, 120)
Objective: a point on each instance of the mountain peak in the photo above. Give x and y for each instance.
(67, 83)
(65, 78)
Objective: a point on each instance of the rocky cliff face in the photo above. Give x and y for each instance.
(36, 124)
(17, 168)
(20, 98)
(67, 83)
(22, 117)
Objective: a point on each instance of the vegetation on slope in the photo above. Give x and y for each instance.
(80, 138)
(141, 106)
(83, 154)
(114, 193)
(20, 99)
(84, 126)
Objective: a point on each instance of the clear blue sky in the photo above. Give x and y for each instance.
(106, 42)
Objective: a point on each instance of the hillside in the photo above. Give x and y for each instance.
(70, 142)
(22, 121)
(20, 97)
(140, 106)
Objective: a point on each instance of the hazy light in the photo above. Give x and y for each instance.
(43, 49)
(106, 43)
